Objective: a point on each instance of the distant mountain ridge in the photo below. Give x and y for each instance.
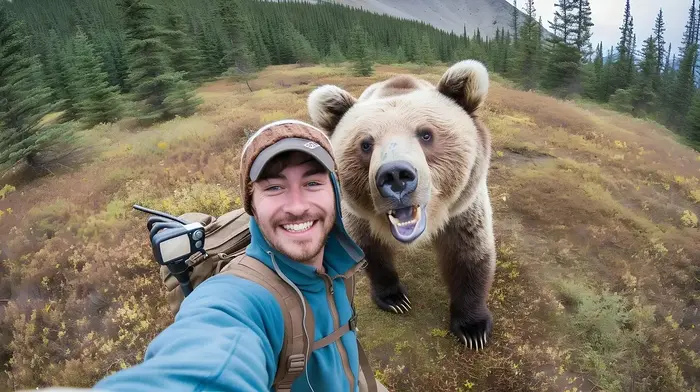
(448, 15)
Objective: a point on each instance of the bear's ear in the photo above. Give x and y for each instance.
(467, 83)
(327, 105)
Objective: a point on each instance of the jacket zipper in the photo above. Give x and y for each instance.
(336, 324)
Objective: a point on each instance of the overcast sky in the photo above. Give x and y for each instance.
(607, 16)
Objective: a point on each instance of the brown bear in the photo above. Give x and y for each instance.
(412, 162)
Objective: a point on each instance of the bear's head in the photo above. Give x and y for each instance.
(410, 155)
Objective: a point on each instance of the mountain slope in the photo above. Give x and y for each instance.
(448, 15)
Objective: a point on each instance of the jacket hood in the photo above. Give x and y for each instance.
(340, 255)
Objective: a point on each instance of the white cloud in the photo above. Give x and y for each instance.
(607, 17)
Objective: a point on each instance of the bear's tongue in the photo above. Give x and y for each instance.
(407, 223)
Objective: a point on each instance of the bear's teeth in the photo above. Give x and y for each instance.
(298, 227)
(396, 222)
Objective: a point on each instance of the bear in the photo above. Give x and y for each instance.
(412, 160)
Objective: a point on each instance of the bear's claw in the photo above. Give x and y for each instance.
(475, 332)
(395, 300)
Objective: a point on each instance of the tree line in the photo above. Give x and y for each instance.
(96, 61)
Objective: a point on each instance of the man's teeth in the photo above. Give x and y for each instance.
(298, 227)
(396, 222)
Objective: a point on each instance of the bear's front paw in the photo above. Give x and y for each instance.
(392, 298)
(473, 328)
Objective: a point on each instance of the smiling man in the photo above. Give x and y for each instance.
(230, 331)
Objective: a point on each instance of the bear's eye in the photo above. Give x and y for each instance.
(366, 145)
(425, 135)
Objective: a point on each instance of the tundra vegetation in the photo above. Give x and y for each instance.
(595, 212)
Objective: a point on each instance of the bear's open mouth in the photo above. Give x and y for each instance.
(407, 223)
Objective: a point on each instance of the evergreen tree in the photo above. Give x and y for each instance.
(684, 86)
(529, 48)
(692, 128)
(622, 76)
(424, 51)
(95, 100)
(401, 55)
(362, 64)
(237, 27)
(595, 86)
(335, 55)
(564, 63)
(583, 29)
(642, 91)
(303, 51)
(56, 71)
(184, 56)
(659, 29)
(163, 92)
(23, 103)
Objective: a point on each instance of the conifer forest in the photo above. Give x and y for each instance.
(95, 61)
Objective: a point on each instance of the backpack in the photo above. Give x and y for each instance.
(226, 239)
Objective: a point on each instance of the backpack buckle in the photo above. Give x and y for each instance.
(296, 363)
(352, 323)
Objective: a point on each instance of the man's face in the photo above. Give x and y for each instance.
(295, 207)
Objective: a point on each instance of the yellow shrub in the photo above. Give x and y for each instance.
(689, 218)
(695, 195)
(207, 198)
(6, 190)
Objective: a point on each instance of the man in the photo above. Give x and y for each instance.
(228, 333)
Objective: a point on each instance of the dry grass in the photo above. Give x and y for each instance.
(597, 277)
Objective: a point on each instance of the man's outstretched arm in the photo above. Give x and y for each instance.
(226, 337)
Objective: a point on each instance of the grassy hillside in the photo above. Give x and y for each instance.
(596, 216)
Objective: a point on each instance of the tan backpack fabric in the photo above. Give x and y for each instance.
(226, 239)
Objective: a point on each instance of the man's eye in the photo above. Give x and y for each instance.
(273, 188)
(313, 183)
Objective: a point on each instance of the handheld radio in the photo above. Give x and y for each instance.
(173, 241)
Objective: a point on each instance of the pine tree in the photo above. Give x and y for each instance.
(359, 48)
(424, 51)
(401, 55)
(595, 85)
(529, 48)
(23, 102)
(583, 29)
(622, 77)
(335, 55)
(642, 91)
(163, 92)
(692, 128)
(184, 56)
(302, 50)
(659, 29)
(56, 71)
(684, 86)
(237, 27)
(564, 62)
(95, 100)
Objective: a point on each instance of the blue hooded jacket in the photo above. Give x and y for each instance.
(228, 333)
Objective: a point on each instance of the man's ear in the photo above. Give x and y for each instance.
(327, 105)
(467, 83)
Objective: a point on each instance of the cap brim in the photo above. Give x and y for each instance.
(291, 144)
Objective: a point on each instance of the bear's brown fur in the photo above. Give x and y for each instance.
(413, 161)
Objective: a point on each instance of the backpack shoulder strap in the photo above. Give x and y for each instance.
(295, 347)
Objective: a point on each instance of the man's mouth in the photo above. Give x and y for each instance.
(298, 227)
(407, 223)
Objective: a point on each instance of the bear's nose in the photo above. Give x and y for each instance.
(396, 179)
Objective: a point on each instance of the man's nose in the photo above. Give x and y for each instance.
(296, 202)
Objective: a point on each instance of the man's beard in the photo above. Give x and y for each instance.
(301, 251)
